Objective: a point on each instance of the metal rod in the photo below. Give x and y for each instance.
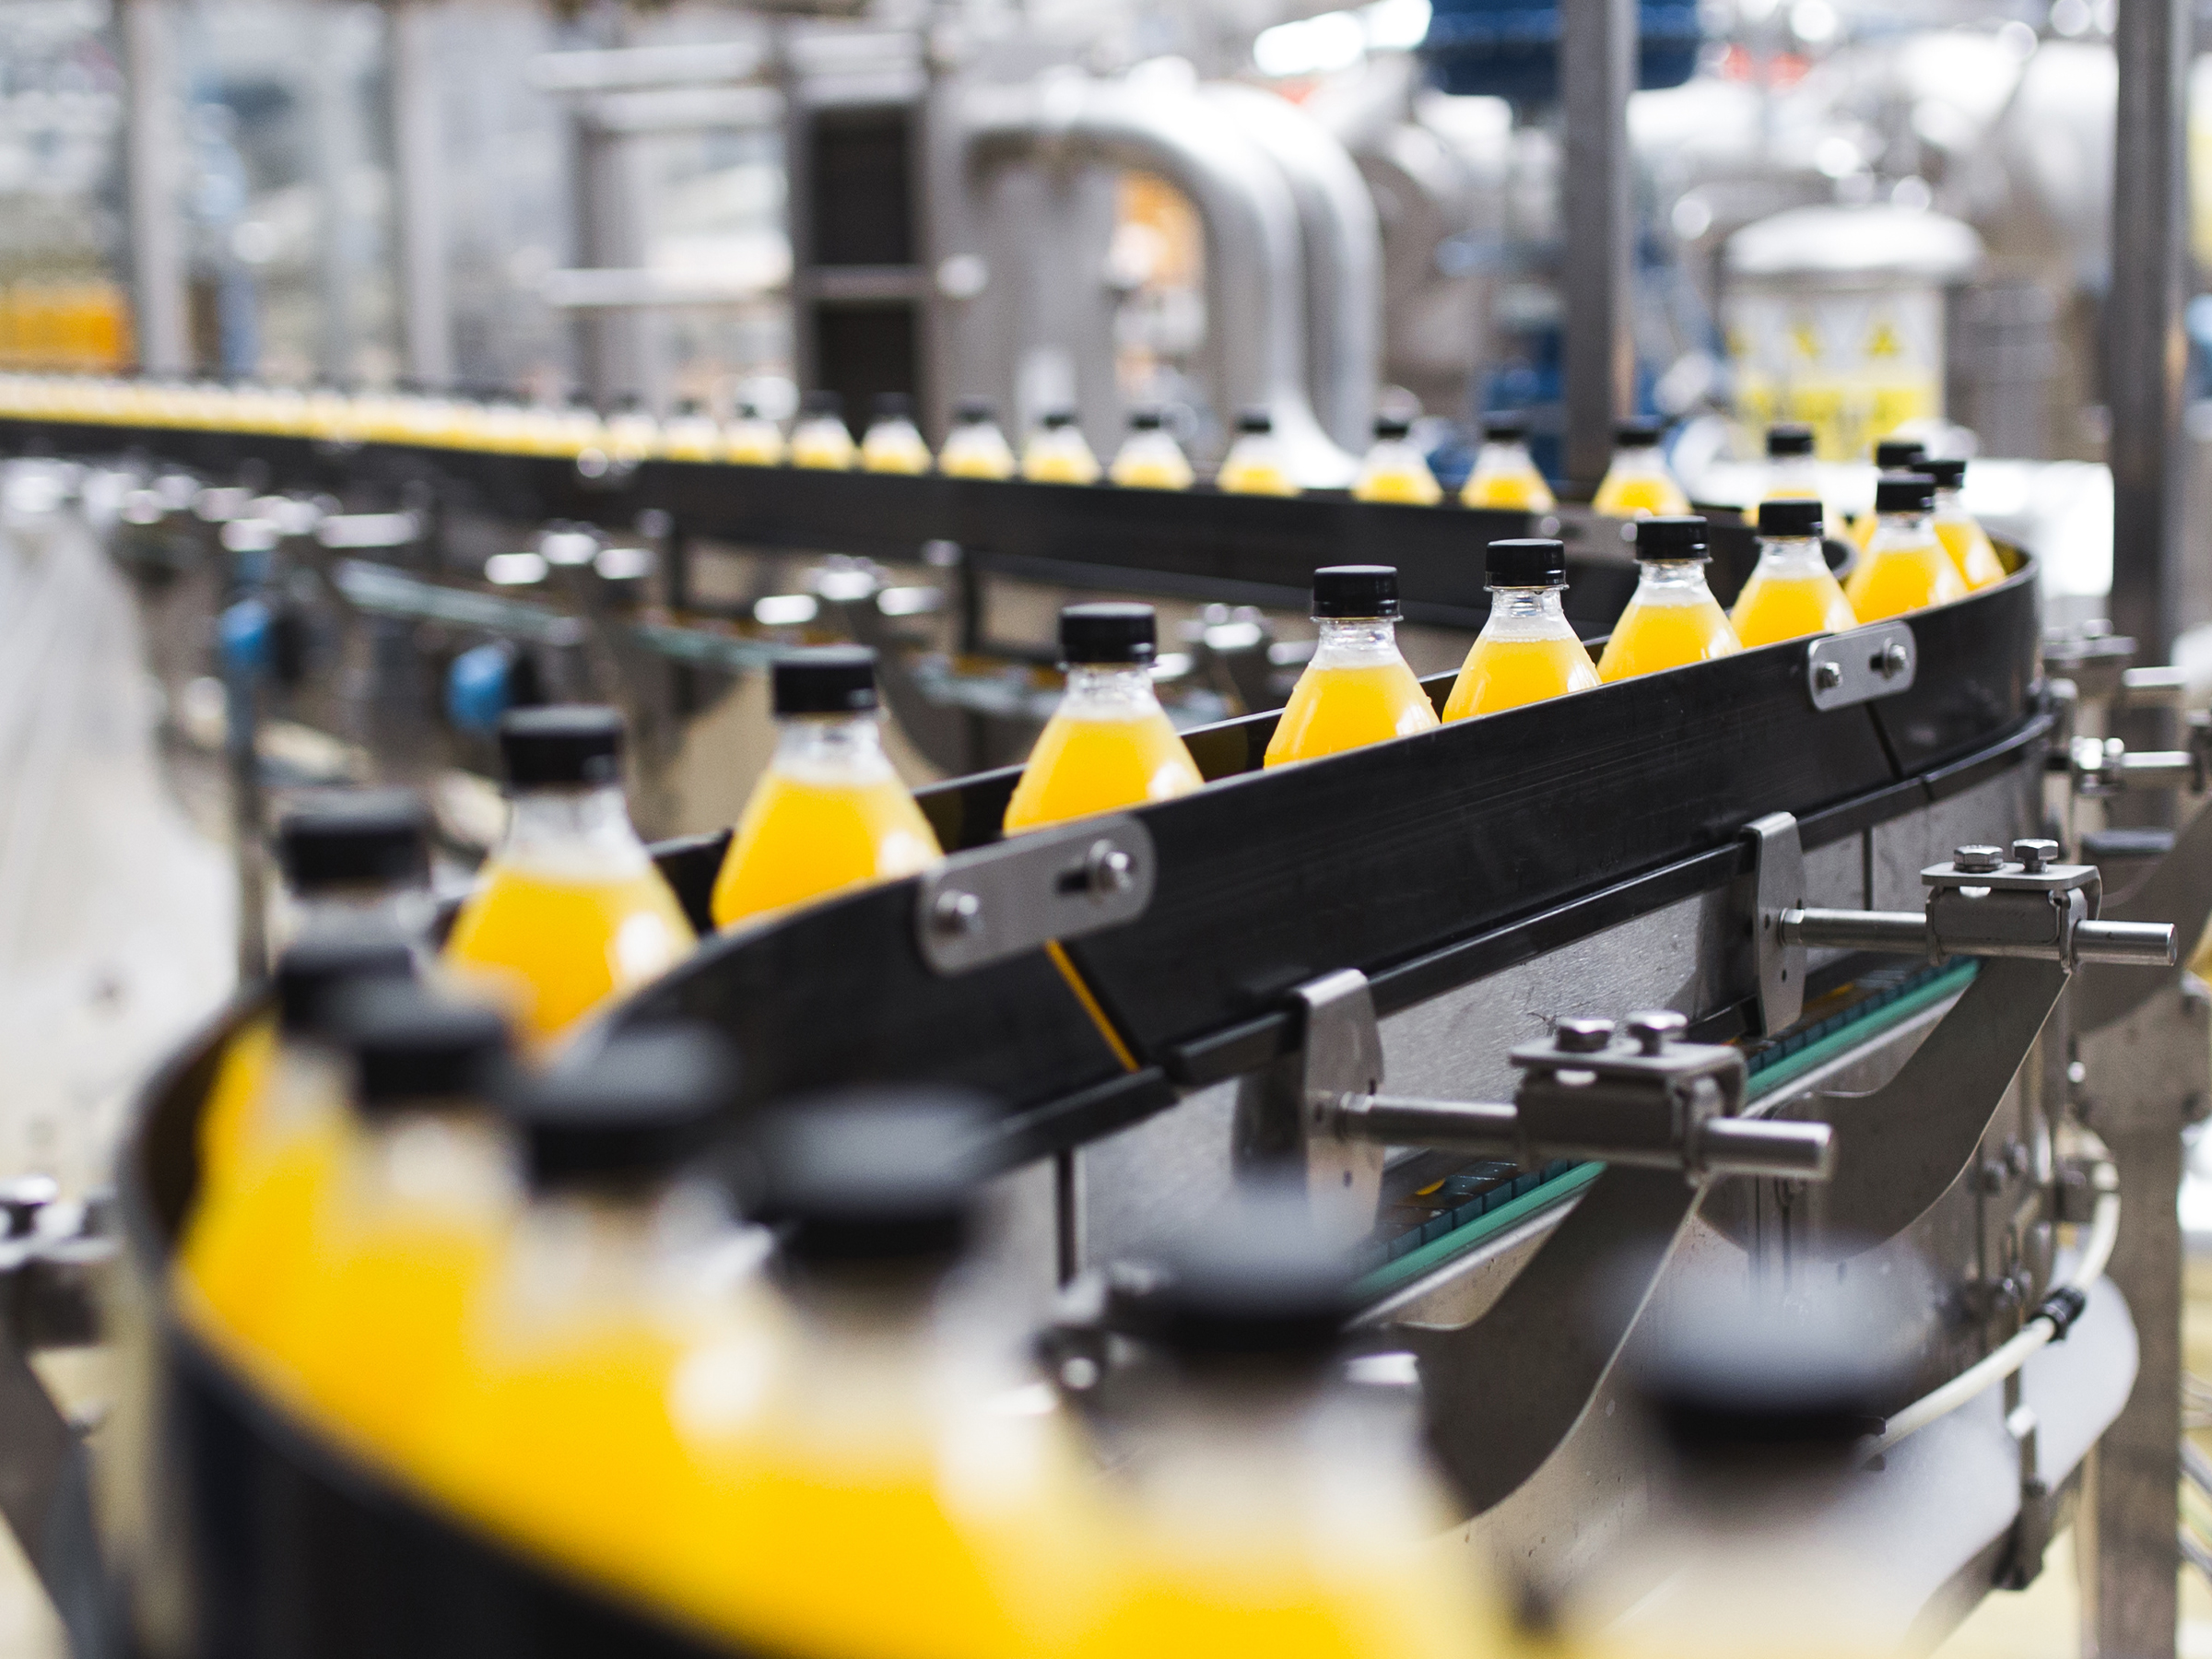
(1900, 932)
(1445, 1126)
(1765, 1148)
(2158, 768)
(2131, 943)
(157, 214)
(418, 165)
(1597, 61)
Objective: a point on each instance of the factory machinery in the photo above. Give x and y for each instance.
(1806, 961)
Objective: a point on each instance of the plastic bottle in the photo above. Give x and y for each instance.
(1264, 1505)
(1638, 484)
(1357, 689)
(975, 448)
(1527, 650)
(829, 813)
(1505, 475)
(421, 1199)
(1960, 534)
(1904, 567)
(1149, 457)
(1891, 454)
(1792, 592)
(1257, 463)
(353, 857)
(631, 434)
(555, 1430)
(1673, 618)
(1058, 452)
(753, 440)
(1109, 744)
(1393, 470)
(878, 1435)
(893, 444)
(569, 910)
(692, 434)
(821, 440)
(264, 1163)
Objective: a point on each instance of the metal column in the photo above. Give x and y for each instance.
(418, 171)
(2144, 347)
(153, 148)
(1597, 61)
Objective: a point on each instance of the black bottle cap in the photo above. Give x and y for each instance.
(1145, 418)
(822, 405)
(1790, 516)
(1254, 420)
(1530, 561)
(1392, 426)
(1505, 429)
(1356, 591)
(894, 405)
(972, 411)
(1895, 455)
(1670, 540)
(1949, 474)
(746, 409)
(1789, 439)
(1638, 433)
(1108, 632)
(1255, 1285)
(565, 745)
(1904, 492)
(355, 838)
(1051, 421)
(825, 679)
(410, 1047)
(311, 970)
(637, 1110)
(877, 1177)
(689, 405)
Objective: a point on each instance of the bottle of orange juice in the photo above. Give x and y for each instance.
(265, 1163)
(821, 440)
(1960, 532)
(975, 448)
(1257, 463)
(1891, 454)
(1792, 472)
(1393, 470)
(880, 1433)
(1791, 593)
(753, 440)
(1505, 474)
(1673, 617)
(355, 856)
(1638, 484)
(421, 1197)
(1057, 453)
(692, 434)
(829, 813)
(569, 910)
(1527, 650)
(1149, 457)
(893, 444)
(1110, 743)
(1904, 567)
(554, 1427)
(1357, 689)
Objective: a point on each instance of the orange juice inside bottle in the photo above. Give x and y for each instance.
(1149, 457)
(1257, 463)
(821, 440)
(1791, 593)
(1961, 534)
(831, 812)
(1393, 470)
(1904, 567)
(1527, 650)
(570, 911)
(1673, 618)
(753, 440)
(1057, 453)
(692, 434)
(1505, 475)
(893, 444)
(975, 448)
(1110, 744)
(1357, 688)
(1638, 484)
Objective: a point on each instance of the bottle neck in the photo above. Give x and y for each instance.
(589, 1254)
(1355, 641)
(1672, 579)
(1917, 525)
(439, 1155)
(831, 749)
(402, 908)
(1527, 613)
(1499, 456)
(565, 829)
(1792, 555)
(1949, 504)
(1110, 692)
(1638, 462)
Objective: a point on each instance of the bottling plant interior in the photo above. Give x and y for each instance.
(1006, 830)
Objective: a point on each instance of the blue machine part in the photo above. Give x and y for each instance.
(479, 687)
(1510, 48)
(246, 633)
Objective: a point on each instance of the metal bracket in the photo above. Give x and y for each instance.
(2102, 768)
(2178, 888)
(1778, 881)
(1342, 1055)
(1861, 664)
(1063, 883)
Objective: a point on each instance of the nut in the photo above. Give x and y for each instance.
(1582, 1036)
(956, 913)
(1653, 1031)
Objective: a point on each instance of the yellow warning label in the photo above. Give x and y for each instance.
(1883, 342)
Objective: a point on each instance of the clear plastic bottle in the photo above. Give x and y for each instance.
(631, 434)
(1960, 532)
(1109, 744)
(1257, 463)
(1527, 650)
(1505, 475)
(831, 812)
(1357, 688)
(893, 444)
(821, 440)
(1793, 473)
(976, 448)
(753, 440)
(356, 856)
(692, 434)
(569, 910)
(1904, 567)
(1638, 484)
(1057, 453)
(1891, 454)
(1672, 619)
(1792, 592)
(1393, 470)
(1149, 457)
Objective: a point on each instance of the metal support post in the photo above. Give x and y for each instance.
(155, 208)
(418, 169)
(1597, 65)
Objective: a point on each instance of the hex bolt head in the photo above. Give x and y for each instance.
(956, 913)
(1108, 868)
(2034, 855)
(1827, 675)
(1582, 1036)
(1653, 1031)
(1978, 861)
(1894, 660)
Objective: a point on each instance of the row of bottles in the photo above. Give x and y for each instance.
(82, 327)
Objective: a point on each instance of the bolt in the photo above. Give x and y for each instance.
(21, 1202)
(1582, 1036)
(1827, 675)
(1653, 1031)
(1978, 861)
(1895, 659)
(1109, 869)
(2034, 855)
(956, 913)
